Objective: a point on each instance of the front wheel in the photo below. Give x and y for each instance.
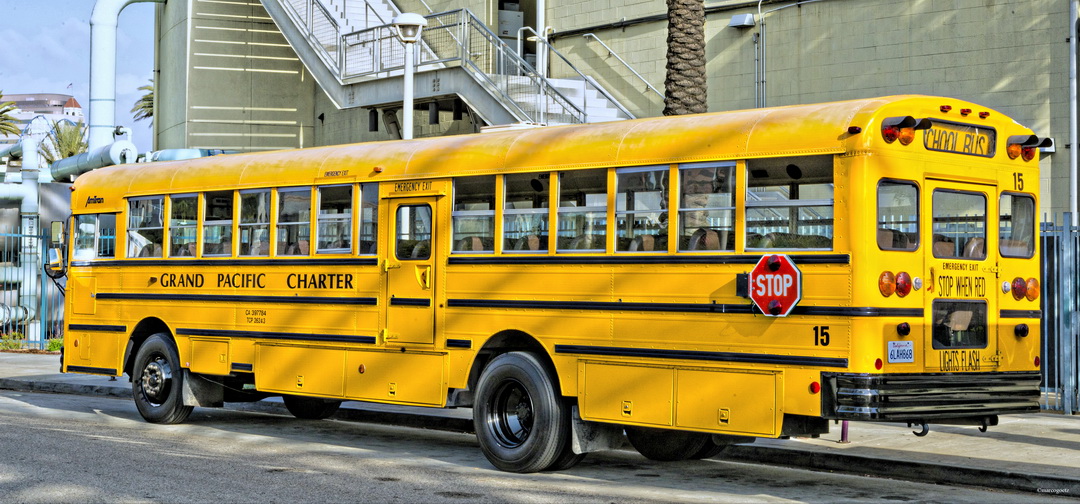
(521, 422)
(158, 382)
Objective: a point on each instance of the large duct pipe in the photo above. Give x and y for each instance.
(103, 69)
(26, 194)
(115, 153)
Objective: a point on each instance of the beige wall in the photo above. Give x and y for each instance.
(229, 80)
(1010, 55)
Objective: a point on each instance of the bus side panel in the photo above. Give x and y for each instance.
(300, 370)
(380, 376)
(736, 402)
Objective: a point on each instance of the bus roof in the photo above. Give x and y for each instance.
(782, 131)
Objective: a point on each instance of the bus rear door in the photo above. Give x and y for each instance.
(960, 277)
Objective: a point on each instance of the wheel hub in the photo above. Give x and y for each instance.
(156, 380)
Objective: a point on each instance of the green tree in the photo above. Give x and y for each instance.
(7, 123)
(144, 107)
(65, 140)
(684, 86)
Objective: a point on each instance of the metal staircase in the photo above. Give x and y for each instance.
(351, 50)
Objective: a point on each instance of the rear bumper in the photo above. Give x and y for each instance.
(921, 398)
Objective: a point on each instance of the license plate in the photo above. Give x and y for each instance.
(901, 351)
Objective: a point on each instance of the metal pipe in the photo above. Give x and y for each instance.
(1074, 156)
(102, 114)
(115, 153)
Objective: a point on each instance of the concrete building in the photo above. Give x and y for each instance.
(298, 73)
(50, 106)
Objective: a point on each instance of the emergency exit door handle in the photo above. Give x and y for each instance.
(387, 265)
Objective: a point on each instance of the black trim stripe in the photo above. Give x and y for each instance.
(638, 259)
(745, 309)
(239, 366)
(262, 261)
(97, 327)
(228, 298)
(1029, 314)
(91, 370)
(332, 338)
(396, 301)
(458, 343)
(790, 360)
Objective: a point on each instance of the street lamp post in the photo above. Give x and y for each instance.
(407, 27)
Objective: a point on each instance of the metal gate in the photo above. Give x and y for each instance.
(1061, 314)
(31, 304)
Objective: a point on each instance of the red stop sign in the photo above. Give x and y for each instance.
(775, 285)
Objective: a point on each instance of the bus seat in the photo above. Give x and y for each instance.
(643, 243)
(581, 242)
(150, 250)
(531, 242)
(885, 238)
(943, 247)
(704, 239)
(976, 247)
(422, 250)
(470, 244)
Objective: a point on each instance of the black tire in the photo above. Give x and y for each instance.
(669, 445)
(710, 450)
(157, 383)
(521, 422)
(310, 408)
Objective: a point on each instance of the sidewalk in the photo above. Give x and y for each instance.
(1038, 453)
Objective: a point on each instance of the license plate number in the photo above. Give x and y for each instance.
(901, 351)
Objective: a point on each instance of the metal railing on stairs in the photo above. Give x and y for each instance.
(453, 38)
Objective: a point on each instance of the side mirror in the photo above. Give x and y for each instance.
(54, 263)
(56, 234)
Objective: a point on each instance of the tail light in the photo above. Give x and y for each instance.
(1019, 288)
(1032, 289)
(886, 283)
(903, 284)
(1023, 146)
(902, 128)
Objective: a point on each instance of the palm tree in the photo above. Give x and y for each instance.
(684, 86)
(144, 107)
(65, 139)
(7, 123)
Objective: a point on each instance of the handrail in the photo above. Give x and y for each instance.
(627, 65)
(585, 78)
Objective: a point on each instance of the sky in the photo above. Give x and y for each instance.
(45, 48)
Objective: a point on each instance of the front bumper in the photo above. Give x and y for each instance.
(938, 397)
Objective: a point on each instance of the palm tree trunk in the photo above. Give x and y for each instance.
(684, 87)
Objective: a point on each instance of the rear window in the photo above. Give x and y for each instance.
(1017, 225)
(959, 225)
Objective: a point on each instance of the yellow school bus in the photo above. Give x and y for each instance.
(689, 282)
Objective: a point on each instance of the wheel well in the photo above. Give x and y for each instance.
(146, 328)
(510, 341)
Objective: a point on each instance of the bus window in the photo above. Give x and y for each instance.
(255, 223)
(474, 214)
(789, 203)
(582, 211)
(183, 222)
(217, 224)
(334, 231)
(897, 215)
(145, 230)
(641, 209)
(525, 216)
(706, 207)
(1017, 232)
(95, 236)
(959, 324)
(369, 218)
(413, 232)
(959, 225)
(294, 221)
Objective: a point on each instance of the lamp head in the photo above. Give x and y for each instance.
(408, 26)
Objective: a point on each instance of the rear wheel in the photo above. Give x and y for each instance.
(158, 382)
(521, 422)
(671, 445)
(310, 408)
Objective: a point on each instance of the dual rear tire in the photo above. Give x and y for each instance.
(522, 422)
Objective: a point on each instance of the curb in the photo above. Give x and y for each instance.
(923, 472)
